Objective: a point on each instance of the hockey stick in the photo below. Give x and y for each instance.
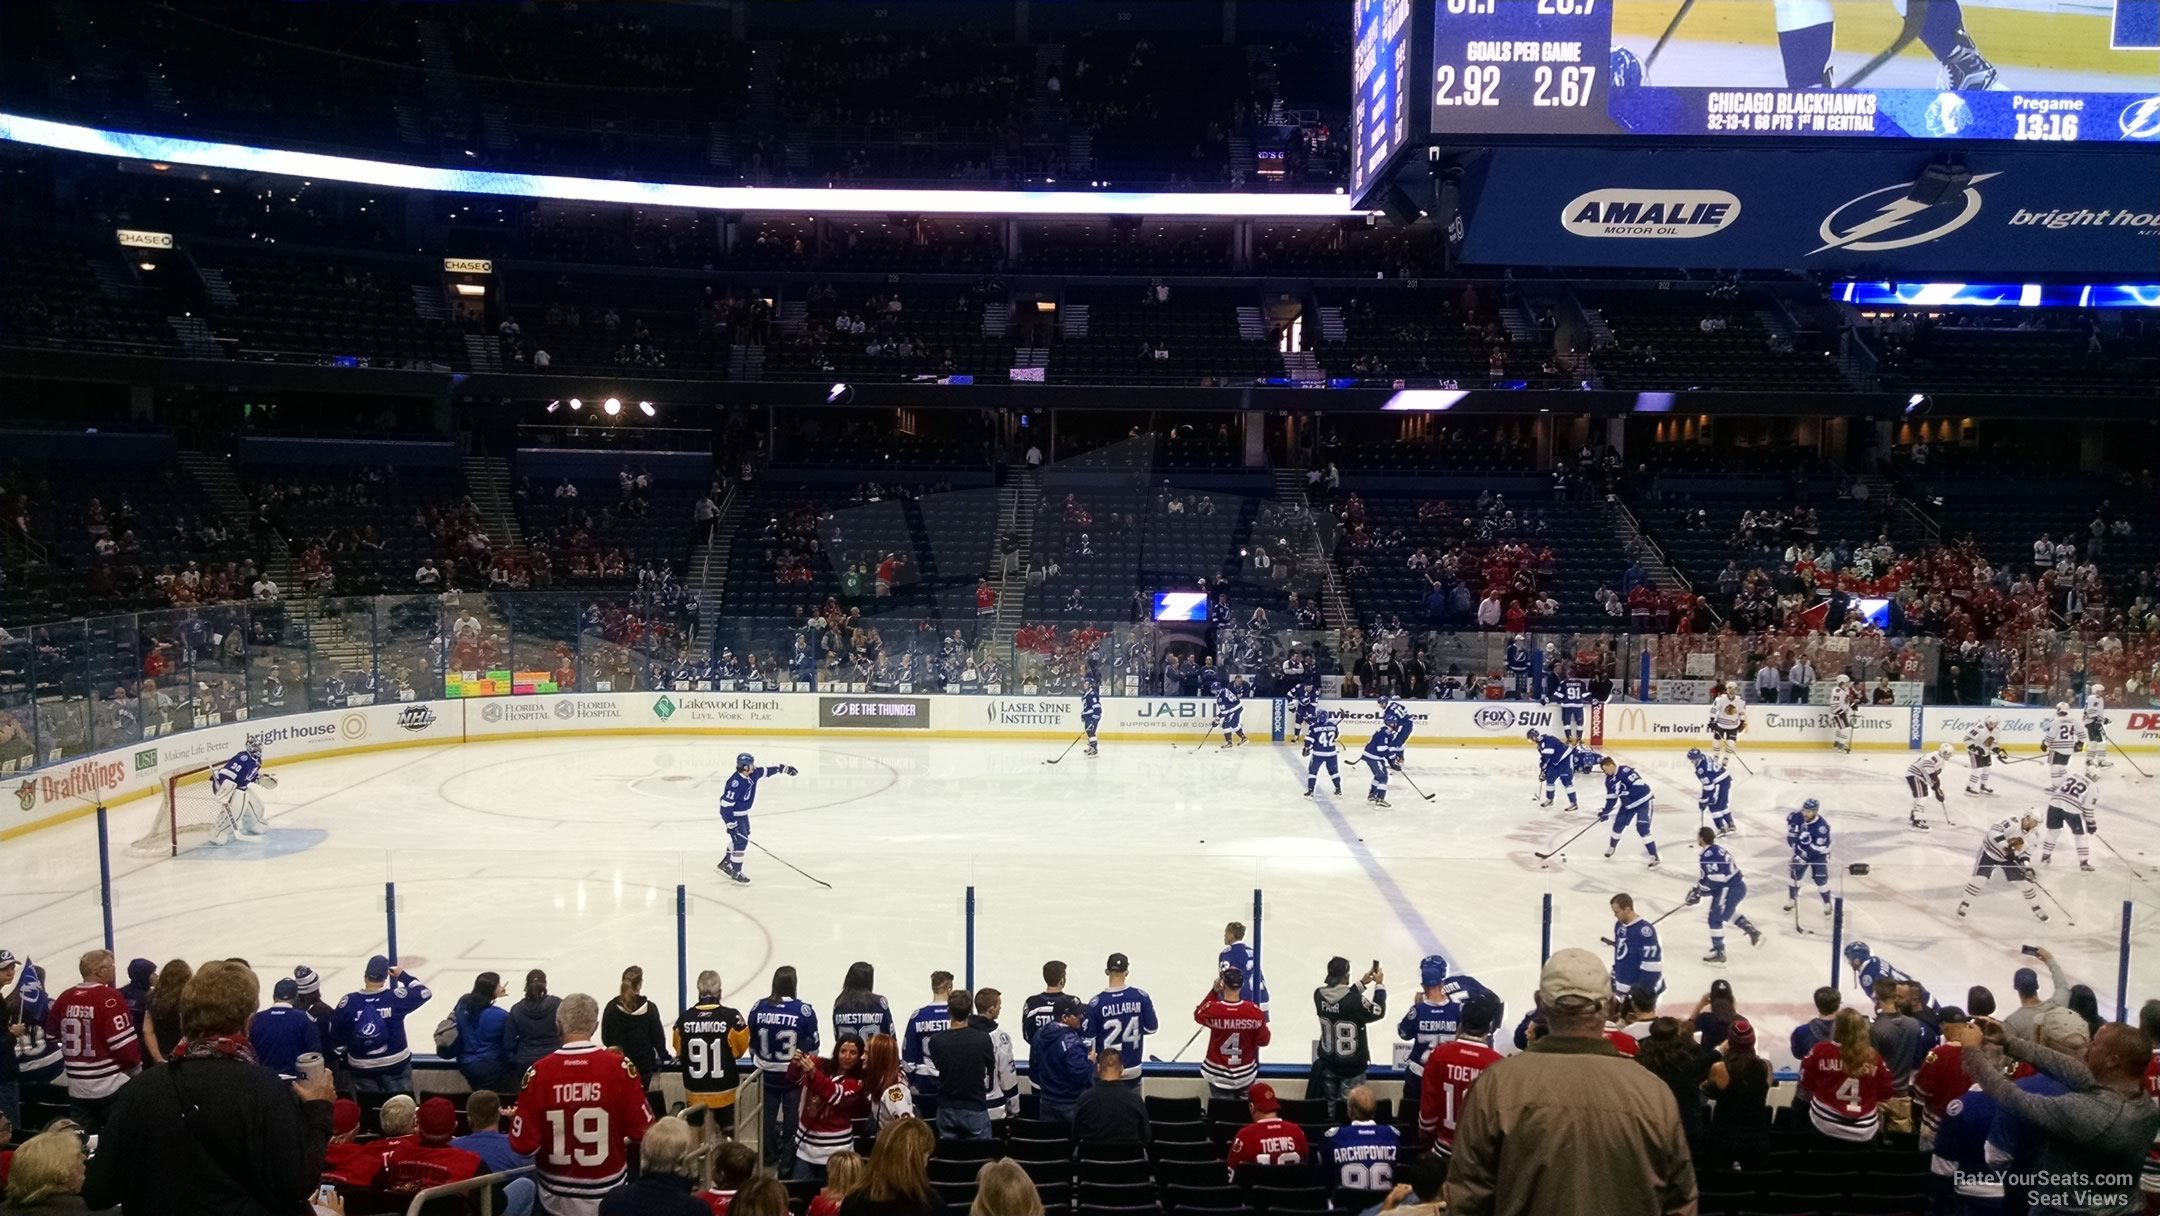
(1915, 19)
(1579, 834)
(1670, 29)
(1412, 783)
(791, 865)
(2134, 765)
(1205, 739)
(1154, 1059)
(1068, 748)
(1668, 912)
(2034, 879)
(2135, 866)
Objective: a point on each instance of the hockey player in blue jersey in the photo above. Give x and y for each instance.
(1517, 661)
(1321, 746)
(1572, 695)
(1638, 960)
(1304, 699)
(1716, 782)
(1809, 835)
(1587, 761)
(1238, 955)
(233, 785)
(1375, 759)
(1556, 765)
(735, 803)
(1230, 712)
(1725, 886)
(1399, 724)
(1869, 970)
(1091, 711)
(1629, 795)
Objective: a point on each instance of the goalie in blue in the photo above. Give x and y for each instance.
(240, 809)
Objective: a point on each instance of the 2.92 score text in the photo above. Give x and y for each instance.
(1478, 84)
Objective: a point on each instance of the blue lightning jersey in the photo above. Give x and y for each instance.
(1518, 659)
(1716, 784)
(240, 771)
(1399, 727)
(741, 791)
(1120, 1021)
(1637, 959)
(1587, 761)
(779, 1026)
(915, 1044)
(1305, 697)
(1376, 748)
(1626, 789)
(1429, 1024)
(1876, 971)
(1362, 1155)
(1718, 868)
(1227, 702)
(1571, 693)
(1553, 754)
(1091, 704)
(1240, 956)
(1323, 740)
(1810, 841)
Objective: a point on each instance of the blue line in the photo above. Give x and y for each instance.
(1406, 912)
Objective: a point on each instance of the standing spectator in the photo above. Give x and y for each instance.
(1002, 1188)
(922, 1024)
(142, 977)
(2095, 1134)
(284, 1032)
(209, 1132)
(10, 1017)
(899, 1177)
(1799, 678)
(1121, 1017)
(1715, 1014)
(667, 1175)
(1819, 1029)
(1343, 1052)
(1739, 1087)
(1111, 1111)
(1269, 1139)
(370, 1029)
(844, 1174)
(884, 1084)
(2020, 1020)
(97, 1040)
(966, 1064)
(705, 514)
(711, 1037)
(1058, 1061)
(631, 1025)
(1004, 1098)
(859, 1010)
(1570, 1127)
(164, 1015)
(832, 1101)
(1035, 1012)
(780, 1025)
(1845, 1083)
(483, 1055)
(585, 1086)
(1767, 680)
(1451, 1068)
(1903, 1043)
(530, 1031)
(1673, 1058)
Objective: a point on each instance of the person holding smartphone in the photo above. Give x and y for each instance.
(1345, 1011)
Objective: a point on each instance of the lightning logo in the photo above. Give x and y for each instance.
(1892, 223)
(2141, 119)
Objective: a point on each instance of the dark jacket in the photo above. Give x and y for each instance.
(481, 1049)
(1111, 1114)
(532, 1033)
(247, 1146)
(1058, 1064)
(54, 1205)
(967, 1068)
(1806, 1035)
(860, 1204)
(638, 1034)
(654, 1195)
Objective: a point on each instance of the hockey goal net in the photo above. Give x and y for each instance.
(187, 810)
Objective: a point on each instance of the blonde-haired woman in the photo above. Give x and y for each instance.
(46, 1176)
(844, 1174)
(1845, 1083)
(1002, 1188)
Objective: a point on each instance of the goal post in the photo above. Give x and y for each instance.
(186, 813)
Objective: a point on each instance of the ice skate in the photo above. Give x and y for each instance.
(1968, 70)
(1754, 936)
(1964, 906)
(2040, 912)
(2086, 867)
(1715, 956)
(1790, 904)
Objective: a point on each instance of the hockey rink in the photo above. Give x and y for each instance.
(567, 854)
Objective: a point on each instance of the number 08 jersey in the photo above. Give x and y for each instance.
(581, 1108)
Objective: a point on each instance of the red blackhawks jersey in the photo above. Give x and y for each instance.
(97, 1039)
(1269, 1141)
(580, 1110)
(1237, 1030)
(1451, 1068)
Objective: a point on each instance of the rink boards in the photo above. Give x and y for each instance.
(71, 789)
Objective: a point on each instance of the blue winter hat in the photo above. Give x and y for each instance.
(2026, 981)
(1432, 970)
(378, 969)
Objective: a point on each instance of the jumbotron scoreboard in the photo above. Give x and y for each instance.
(2033, 71)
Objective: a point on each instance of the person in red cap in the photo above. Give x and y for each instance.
(427, 1159)
(346, 1162)
(1268, 1139)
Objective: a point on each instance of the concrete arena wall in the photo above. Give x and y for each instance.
(123, 775)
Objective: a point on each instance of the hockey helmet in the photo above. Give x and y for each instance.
(1943, 750)
(1991, 722)
(1812, 807)
(1626, 69)
(2062, 709)
(254, 748)
(1844, 680)
(1432, 970)
(1694, 755)
(1531, 734)
(745, 760)
(1857, 952)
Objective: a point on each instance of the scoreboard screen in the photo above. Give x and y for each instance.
(1387, 81)
(2031, 70)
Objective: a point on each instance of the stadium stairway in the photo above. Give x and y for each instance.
(221, 485)
(1016, 514)
(709, 559)
(487, 478)
(1334, 605)
(1639, 546)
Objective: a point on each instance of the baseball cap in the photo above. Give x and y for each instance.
(1721, 988)
(1066, 1006)
(438, 1121)
(1118, 962)
(1951, 1015)
(345, 1116)
(378, 968)
(2062, 1030)
(284, 990)
(1262, 1097)
(1233, 977)
(2026, 981)
(1576, 973)
(6, 959)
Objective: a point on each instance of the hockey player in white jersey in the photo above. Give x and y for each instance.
(2061, 740)
(2072, 804)
(2095, 732)
(1983, 747)
(240, 810)
(1728, 717)
(1844, 705)
(1924, 777)
(1807, 34)
(2004, 848)
(1809, 835)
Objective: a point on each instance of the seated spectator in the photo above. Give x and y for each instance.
(844, 1174)
(487, 1140)
(667, 1174)
(347, 1161)
(898, 1182)
(1110, 1112)
(733, 1165)
(240, 1112)
(425, 1158)
(1268, 1139)
(1002, 1188)
(46, 1176)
